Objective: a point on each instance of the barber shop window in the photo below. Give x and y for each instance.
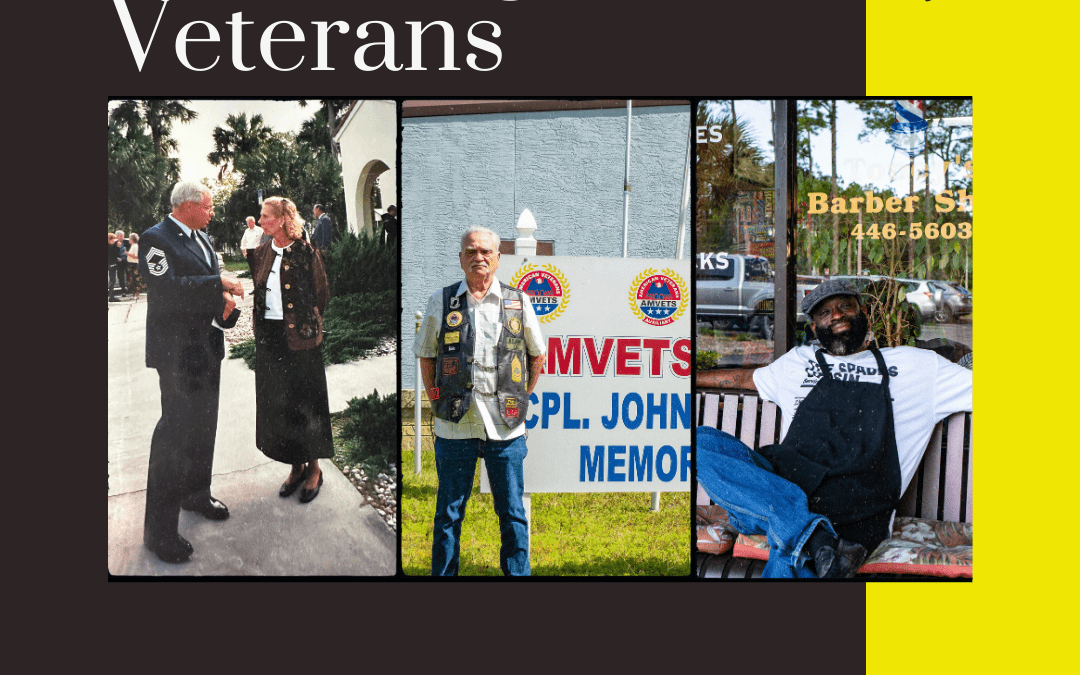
(883, 195)
(735, 233)
(885, 199)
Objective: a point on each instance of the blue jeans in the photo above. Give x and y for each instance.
(758, 501)
(455, 462)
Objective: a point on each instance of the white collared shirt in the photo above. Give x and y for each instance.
(273, 286)
(188, 233)
(482, 419)
(251, 238)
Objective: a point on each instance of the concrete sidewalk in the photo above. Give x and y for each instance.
(336, 534)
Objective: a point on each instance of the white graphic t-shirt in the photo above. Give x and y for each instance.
(925, 388)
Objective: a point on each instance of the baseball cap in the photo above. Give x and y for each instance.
(827, 289)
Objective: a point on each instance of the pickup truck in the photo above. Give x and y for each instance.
(735, 291)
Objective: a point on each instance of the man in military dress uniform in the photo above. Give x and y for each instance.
(189, 306)
(480, 352)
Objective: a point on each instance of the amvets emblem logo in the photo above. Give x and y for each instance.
(546, 287)
(658, 298)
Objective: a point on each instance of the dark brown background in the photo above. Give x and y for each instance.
(67, 63)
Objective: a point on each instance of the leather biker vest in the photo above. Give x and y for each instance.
(453, 367)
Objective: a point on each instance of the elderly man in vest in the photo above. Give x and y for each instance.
(480, 352)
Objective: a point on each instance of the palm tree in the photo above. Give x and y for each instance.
(319, 130)
(156, 114)
(139, 178)
(723, 169)
(242, 138)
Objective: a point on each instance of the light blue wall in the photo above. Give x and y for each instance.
(565, 167)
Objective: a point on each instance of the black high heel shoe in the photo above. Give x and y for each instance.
(307, 495)
(288, 488)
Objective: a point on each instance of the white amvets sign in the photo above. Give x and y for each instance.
(612, 410)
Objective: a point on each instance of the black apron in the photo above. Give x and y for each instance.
(841, 450)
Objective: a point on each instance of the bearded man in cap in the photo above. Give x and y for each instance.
(857, 420)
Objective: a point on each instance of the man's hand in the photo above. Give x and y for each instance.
(230, 305)
(232, 284)
(536, 366)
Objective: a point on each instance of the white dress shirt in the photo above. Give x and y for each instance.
(273, 286)
(251, 238)
(483, 419)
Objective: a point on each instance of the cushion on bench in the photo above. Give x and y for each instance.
(942, 488)
(713, 535)
(926, 547)
(918, 546)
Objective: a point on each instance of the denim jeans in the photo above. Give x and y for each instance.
(455, 462)
(758, 501)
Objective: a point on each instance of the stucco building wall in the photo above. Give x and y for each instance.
(368, 140)
(567, 167)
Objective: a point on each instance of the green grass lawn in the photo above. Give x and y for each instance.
(611, 533)
(240, 266)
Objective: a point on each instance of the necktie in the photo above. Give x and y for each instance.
(202, 247)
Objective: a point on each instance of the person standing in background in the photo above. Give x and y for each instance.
(324, 230)
(253, 236)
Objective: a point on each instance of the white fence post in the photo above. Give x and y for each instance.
(525, 245)
(416, 403)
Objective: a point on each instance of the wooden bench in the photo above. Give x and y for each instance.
(940, 496)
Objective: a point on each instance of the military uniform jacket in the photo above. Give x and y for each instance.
(304, 292)
(184, 298)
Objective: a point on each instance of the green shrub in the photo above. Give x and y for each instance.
(356, 323)
(370, 434)
(706, 359)
(244, 350)
(361, 265)
(894, 320)
(353, 324)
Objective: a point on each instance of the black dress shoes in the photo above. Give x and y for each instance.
(307, 495)
(841, 561)
(288, 488)
(208, 507)
(174, 549)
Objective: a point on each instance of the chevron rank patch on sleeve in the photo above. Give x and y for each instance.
(156, 261)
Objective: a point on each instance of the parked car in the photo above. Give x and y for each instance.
(917, 292)
(921, 295)
(953, 303)
(736, 292)
(963, 291)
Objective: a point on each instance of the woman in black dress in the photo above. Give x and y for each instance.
(292, 412)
